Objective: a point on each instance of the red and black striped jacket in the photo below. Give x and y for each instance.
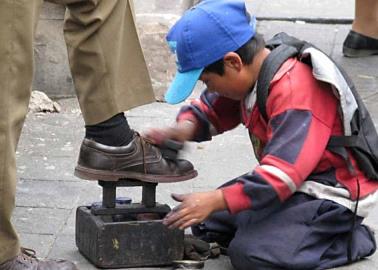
(290, 146)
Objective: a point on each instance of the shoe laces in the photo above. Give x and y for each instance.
(29, 252)
(28, 255)
(144, 144)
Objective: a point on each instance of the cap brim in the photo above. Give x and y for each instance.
(182, 86)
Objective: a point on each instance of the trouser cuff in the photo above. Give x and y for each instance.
(9, 252)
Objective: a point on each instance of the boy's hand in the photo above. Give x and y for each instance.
(194, 208)
(182, 131)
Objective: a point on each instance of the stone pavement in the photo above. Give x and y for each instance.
(48, 193)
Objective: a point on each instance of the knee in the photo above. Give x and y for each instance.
(242, 259)
(364, 240)
(238, 255)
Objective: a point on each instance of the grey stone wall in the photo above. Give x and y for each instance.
(52, 74)
(154, 18)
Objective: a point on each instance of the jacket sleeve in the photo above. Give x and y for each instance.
(301, 113)
(212, 114)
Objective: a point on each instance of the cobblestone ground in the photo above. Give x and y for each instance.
(48, 193)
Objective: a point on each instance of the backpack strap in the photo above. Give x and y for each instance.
(269, 68)
(284, 38)
(363, 142)
(345, 141)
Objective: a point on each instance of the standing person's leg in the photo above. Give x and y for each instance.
(17, 27)
(106, 59)
(366, 18)
(362, 40)
(111, 76)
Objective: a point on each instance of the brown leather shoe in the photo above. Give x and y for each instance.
(138, 160)
(26, 260)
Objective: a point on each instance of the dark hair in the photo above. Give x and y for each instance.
(246, 52)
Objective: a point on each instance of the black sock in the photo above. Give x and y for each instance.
(113, 132)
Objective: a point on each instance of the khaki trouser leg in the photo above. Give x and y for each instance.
(17, 24)
(105, 56)
(107, 65)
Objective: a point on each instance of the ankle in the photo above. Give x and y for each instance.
(113, 132)
(370, 30)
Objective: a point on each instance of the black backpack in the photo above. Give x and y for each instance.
(360, 135)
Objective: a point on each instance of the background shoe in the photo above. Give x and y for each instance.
(199, 250)
(358, 45)
(138, 160)
(26, 260)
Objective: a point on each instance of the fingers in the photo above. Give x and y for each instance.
(182, 224)
(159, 135)
(189, 223)
(180, 220)
(182, 217)
(172, 219)
(193, 209)
(178, 197)
(155, 135)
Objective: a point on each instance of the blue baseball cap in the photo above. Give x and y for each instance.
(203, 35)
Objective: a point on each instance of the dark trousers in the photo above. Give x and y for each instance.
(303, 233)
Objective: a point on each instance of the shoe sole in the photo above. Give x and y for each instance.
(348, 52)
(91, 174)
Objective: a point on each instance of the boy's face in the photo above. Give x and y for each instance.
(235, 83)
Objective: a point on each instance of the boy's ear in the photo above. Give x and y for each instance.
(233, 60)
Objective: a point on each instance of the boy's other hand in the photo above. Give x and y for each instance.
(194, 208)
(182, 131)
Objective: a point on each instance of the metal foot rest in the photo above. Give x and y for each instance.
(129, 235)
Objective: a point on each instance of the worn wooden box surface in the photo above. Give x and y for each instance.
(109, 244)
